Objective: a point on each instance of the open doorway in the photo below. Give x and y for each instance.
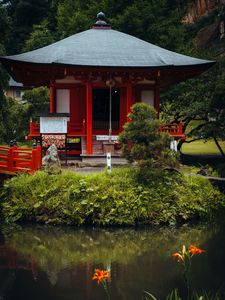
(100, 110)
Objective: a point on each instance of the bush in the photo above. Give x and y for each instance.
(142, 141)
(118, 198)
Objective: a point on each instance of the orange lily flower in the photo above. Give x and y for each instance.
(100, 275)
(178, 256)
(195, 250)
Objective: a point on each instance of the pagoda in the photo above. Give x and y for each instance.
(95, 77)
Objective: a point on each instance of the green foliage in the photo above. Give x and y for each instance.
(5, 27)
(174, 295)
(37, 101)
(2, 105)
(194, 100)
(141, 140)
(24, 14)
(4, 34)
(40, 36)
(15, 116)
(118, 198)
(72, 17)
(16, 122)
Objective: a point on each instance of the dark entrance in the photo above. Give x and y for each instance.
(100, 110)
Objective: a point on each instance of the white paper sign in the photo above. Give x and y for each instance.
(106, 137)
(53, 124)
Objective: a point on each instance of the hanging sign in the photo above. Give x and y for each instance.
(106, 137)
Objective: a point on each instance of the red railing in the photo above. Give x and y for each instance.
(75, 129)
(14, 159)
(79, 129)
(173, 129)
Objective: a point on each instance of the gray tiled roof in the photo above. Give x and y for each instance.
(105, 47)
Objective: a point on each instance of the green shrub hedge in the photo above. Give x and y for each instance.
(124, 197)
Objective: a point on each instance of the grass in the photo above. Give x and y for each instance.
(202, 147)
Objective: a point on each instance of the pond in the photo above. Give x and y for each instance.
(44, 262)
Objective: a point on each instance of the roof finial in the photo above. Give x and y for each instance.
(101, 23)
(101, 17)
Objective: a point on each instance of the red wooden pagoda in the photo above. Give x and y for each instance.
(94, 78)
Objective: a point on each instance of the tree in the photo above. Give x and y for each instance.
(16, 123)
(24, 14)
(72, 17)
(200, 105)
(155, 22)
(3, 83)
(37, 101)
(40, 36)
(141, 139)
(5, 28)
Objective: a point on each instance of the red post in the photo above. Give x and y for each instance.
(180, 129)
(10, 160)
(129, 99)
(14, 156)
(33, 160)
(89, 117)
(39, 158)
(157, 94)
(52, 98)
(157, 101)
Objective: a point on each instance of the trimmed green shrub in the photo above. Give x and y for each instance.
(142, 141)
(118, 198)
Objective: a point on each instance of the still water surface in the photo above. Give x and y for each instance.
(43, 262)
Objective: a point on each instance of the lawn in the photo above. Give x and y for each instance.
(201, 147)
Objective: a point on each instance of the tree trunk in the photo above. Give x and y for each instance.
(179, 145)
(219, 147)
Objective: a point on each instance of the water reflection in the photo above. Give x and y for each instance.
(65, 259)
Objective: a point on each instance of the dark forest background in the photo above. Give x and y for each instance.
(193, 28)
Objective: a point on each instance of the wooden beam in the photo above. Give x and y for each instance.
(89, 150)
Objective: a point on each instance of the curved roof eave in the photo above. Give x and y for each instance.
(10, 60)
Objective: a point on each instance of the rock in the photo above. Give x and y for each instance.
(199, 9)
(170, 169)
(51, 160)
(203, 172)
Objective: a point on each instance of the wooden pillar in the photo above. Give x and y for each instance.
(89, 117)
(157, 94)
(52, 98)
(129, 98)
